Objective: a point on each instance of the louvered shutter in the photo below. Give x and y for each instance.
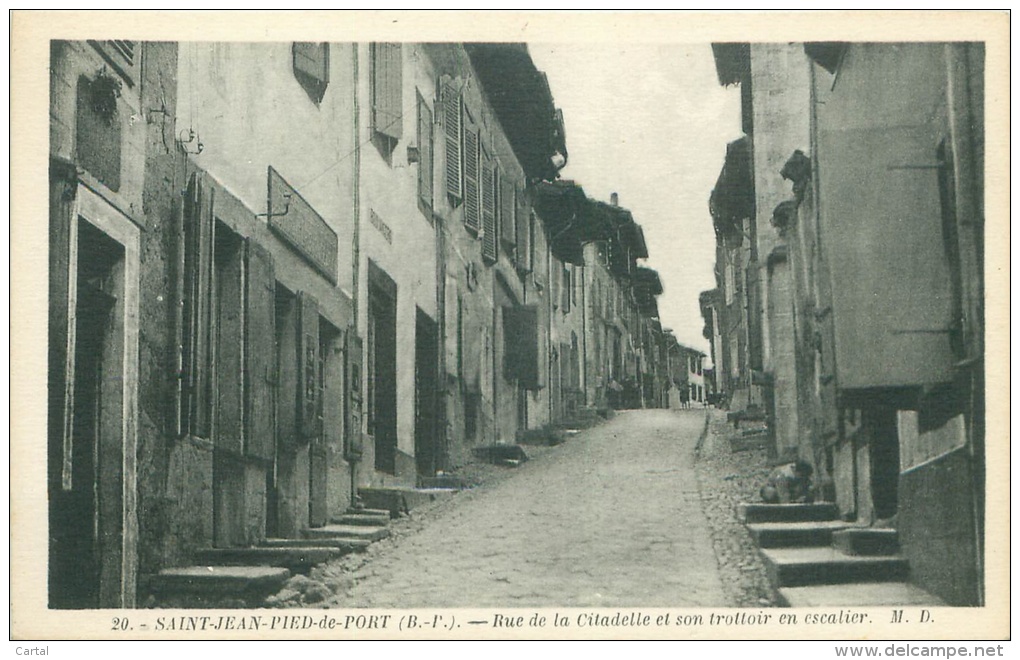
(490, 244)
(452, 128)
(197, 304)
(260, 351)
(522, 225)
(387, 87)
(424, 152)
(507, 210)
(308, 367)
(472, 201)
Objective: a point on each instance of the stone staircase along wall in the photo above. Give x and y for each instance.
(814, 559)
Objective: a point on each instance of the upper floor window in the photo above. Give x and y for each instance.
(387, 92)
(311, 67)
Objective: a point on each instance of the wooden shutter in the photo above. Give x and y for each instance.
(122, 55)
(354, 352)
(452, 129)
(387, 87)
(522, 223)
(228, 353)
(566, 289)
(311, 67)
(490, 244)
(472, 205)
(521, 339)
(507, 211)
(197, 309)
(63, 237)
(424, 152)
(308, 367)
(260, 352)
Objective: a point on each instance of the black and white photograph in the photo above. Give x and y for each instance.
(635, 325)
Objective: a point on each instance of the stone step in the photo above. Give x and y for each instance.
(401, 500)
(342, 545)
(368, 512)
(753, 512)
(347, 532)
(866, 541)
(793, 534)
(798, 567)
(245, 582)
(363, 519)
(861, 594)
(297, 559)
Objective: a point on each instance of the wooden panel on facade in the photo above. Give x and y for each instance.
(387, 90)
(308, 367)
(260, 352)
(229, 331)
(881, 232)
(472, 195)
(300, 226)
(521, 337)
(490, 242)
(452, 127)
(197, 263)
(425, 162)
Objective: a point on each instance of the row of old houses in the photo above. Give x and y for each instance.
(284, 272)
(848, 310)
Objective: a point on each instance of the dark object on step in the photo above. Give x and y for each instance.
(512, 455)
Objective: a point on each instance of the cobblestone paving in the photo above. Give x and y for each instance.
(613, 517)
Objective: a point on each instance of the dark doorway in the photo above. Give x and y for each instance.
(85, 469)
(426, 367)
(885, 462)
(382, 367)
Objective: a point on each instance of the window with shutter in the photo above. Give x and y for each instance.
(260, 352)
(522, 228)
(521, 346)
(490, 243)
(228, 333)
(453, 129)
(196, 292)
(425, 161)
(472, 201)
(122, 55)
(507, 213)
(311, 67)
(387, 87)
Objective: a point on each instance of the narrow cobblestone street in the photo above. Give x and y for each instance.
(610, 518)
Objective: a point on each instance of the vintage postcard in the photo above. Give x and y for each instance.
(494, 325)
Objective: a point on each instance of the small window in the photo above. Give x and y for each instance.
(311, 68)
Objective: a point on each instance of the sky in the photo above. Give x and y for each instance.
(650, 122)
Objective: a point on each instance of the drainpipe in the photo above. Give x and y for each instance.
(356, 245)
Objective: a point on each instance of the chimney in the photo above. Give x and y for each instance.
(614, 199)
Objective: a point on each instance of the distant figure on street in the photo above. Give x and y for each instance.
(789, 484)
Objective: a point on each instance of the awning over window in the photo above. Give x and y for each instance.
(732, 199)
